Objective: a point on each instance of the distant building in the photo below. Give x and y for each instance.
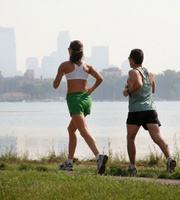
(49, 66)
(112, 71)
(100, 57)
(29, 74)
(51, 63)
(7, 52)
(1, 83)
(32, 64)
(63, 42)
(1, 76)
(125, 67)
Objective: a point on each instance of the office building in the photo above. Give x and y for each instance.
(63, 42)
(50, 64)
(7, 52)
(100, 57)
(32, 64)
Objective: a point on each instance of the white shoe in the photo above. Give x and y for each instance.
(170, 165)
(101, 163)
(66, 166)
(132, 170)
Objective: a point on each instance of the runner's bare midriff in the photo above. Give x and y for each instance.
(76, 85)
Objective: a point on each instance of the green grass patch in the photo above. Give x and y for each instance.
(22, 178)
(34, 181)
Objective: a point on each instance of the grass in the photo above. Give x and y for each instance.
(37, 181)
(22, 178)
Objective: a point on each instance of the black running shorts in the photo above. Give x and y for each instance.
(142, 118)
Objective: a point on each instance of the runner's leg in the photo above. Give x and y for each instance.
(72, 139)
(131, 148)
(154, 132)
(80, 122)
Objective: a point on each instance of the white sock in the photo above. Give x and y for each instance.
(97, 156)
(69, 160)
(169, 158)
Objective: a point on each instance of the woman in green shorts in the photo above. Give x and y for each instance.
(79, 102)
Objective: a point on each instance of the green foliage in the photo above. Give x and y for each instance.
(116, 171)
(10, 156)
(168, 85)
(25, 167)
(174, 175)
(176, 150)
(167, 88)
(42, 168)
(154, 158)
(3, 166)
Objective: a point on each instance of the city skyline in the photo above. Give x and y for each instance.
(48, 66)
(120, 25)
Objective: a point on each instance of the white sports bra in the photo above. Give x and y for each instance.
(77, 73)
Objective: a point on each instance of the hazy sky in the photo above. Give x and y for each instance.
(153, 25)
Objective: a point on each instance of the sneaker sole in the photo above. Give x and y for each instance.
(103, 166)
(172, 166)
(67, 169)
(135, 171)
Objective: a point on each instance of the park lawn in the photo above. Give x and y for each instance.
(38, 181)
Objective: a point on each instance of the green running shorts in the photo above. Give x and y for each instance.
(79, 103)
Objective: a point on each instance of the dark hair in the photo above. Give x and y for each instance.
(77, 51)
(137, 55)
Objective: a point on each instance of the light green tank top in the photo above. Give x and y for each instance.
(141, 99)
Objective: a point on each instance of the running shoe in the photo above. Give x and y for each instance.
(101, 164)
(132, 170)
(171, 164)
(66, 166)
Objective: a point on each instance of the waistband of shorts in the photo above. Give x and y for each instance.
(143, 111)
(76, 93)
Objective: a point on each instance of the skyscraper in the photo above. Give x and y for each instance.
(62, 46)
(49, 66)
(32, 64)
(125, 67)
(100, 57)
(51, 63)
(7, 52)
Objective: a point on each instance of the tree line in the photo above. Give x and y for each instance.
(167, 88)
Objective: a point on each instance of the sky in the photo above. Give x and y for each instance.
(153, 26)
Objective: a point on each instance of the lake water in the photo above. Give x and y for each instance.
(40, 127)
